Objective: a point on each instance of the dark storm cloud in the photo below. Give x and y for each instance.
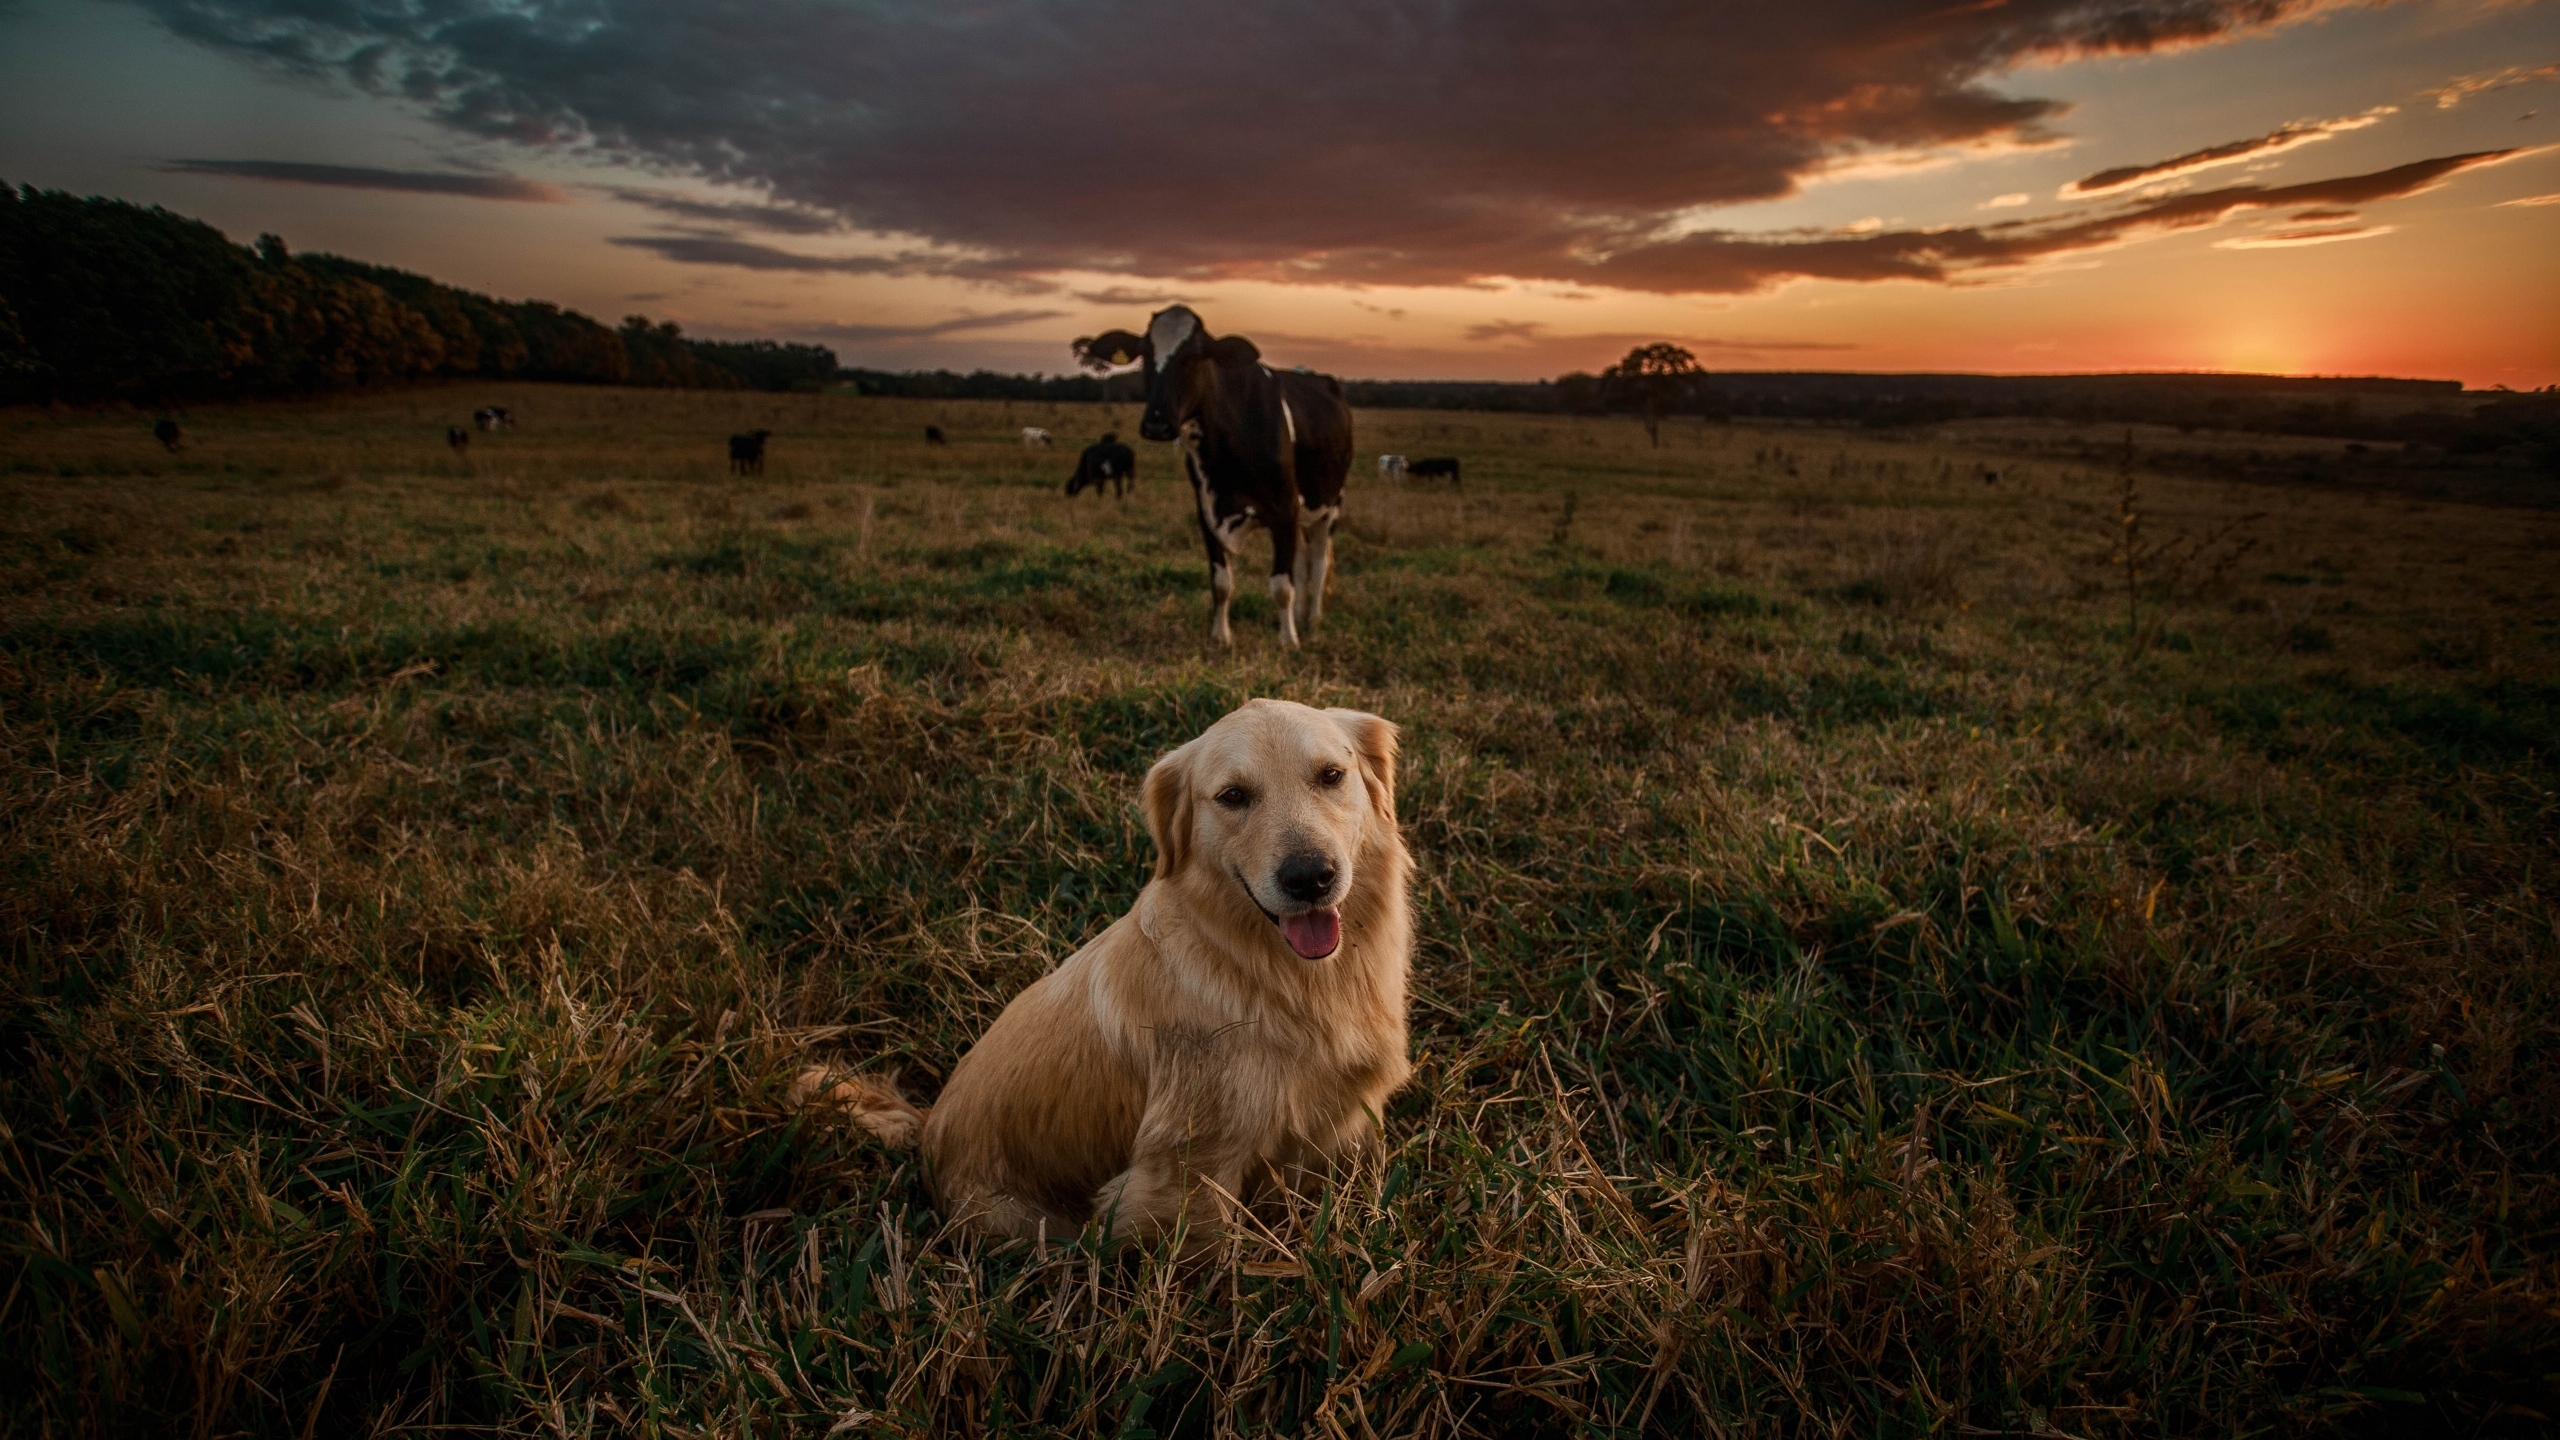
(359, 177)
(1434, 141)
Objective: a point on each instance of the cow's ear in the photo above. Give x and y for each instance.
(1109, 350)
(1233, 350)
(1167, 800)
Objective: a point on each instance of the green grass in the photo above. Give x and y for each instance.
(1861, 991)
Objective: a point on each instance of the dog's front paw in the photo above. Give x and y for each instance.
(873, 1104)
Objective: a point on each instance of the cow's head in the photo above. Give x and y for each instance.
(1181, 357)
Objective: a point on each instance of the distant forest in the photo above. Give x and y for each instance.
(103, 299)
(2428, 412)
(2349, 407)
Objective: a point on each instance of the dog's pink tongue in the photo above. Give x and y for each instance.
(1315, 934)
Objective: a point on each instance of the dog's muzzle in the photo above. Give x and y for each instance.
(1309, 878)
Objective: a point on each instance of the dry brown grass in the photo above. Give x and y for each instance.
(1859, 993)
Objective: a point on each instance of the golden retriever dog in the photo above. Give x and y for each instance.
(1241, 1026)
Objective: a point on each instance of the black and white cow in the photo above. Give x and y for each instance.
(1262, 447)
(1105, 462)
(493, 417)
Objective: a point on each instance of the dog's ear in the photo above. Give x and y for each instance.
(1167, 800)
(1375, 740)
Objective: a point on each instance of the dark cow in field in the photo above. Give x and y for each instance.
(1105, 462)
(169, 435)
(1434, 468)
(458, 438)
(494, 417)
(746, 452)
(1262, 447)
(933, 435)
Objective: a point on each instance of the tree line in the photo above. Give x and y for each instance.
(105, 299)
(1654, 382)
(1126, 388)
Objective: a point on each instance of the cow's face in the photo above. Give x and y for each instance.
(1176, 345)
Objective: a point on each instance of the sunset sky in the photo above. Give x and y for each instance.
(1384, 188)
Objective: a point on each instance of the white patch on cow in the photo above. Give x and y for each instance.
(1200, 493)
(1034, 435)
(1290, 419)
(1390, 467)
(1167, 332)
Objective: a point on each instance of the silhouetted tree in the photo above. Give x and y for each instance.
(1650, 381)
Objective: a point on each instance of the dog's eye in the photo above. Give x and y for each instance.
(1329, 776)
(1235, 797)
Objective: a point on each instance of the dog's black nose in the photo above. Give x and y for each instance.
(1307, 876)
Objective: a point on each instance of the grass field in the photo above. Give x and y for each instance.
(1879, 974)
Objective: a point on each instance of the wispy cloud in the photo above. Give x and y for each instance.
(779, 219)
(2257, 147)
(361, 177)
(1496, 330)
(717, 249)
(2290, 239)
(1731, 261)
(2005, 202)
(2550, 199)
(957, 324)
(2454, 92)
(1129, 295)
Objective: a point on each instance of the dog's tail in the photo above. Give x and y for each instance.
(869, 1101)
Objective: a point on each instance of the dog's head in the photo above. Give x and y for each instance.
(1284, 804)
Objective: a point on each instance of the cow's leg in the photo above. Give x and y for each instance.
(1284, 584)
(1316, 571)
(1222, 588)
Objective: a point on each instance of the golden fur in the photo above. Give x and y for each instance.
(1189, 1041)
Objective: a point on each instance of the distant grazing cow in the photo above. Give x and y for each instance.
(169, 435)
(1390, 467)
(1434, 468)
(1261, 447)
(458, 438)
(933, 435)
(494, 417)
(746, 452)
(1105, 462)
(1034, 435)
